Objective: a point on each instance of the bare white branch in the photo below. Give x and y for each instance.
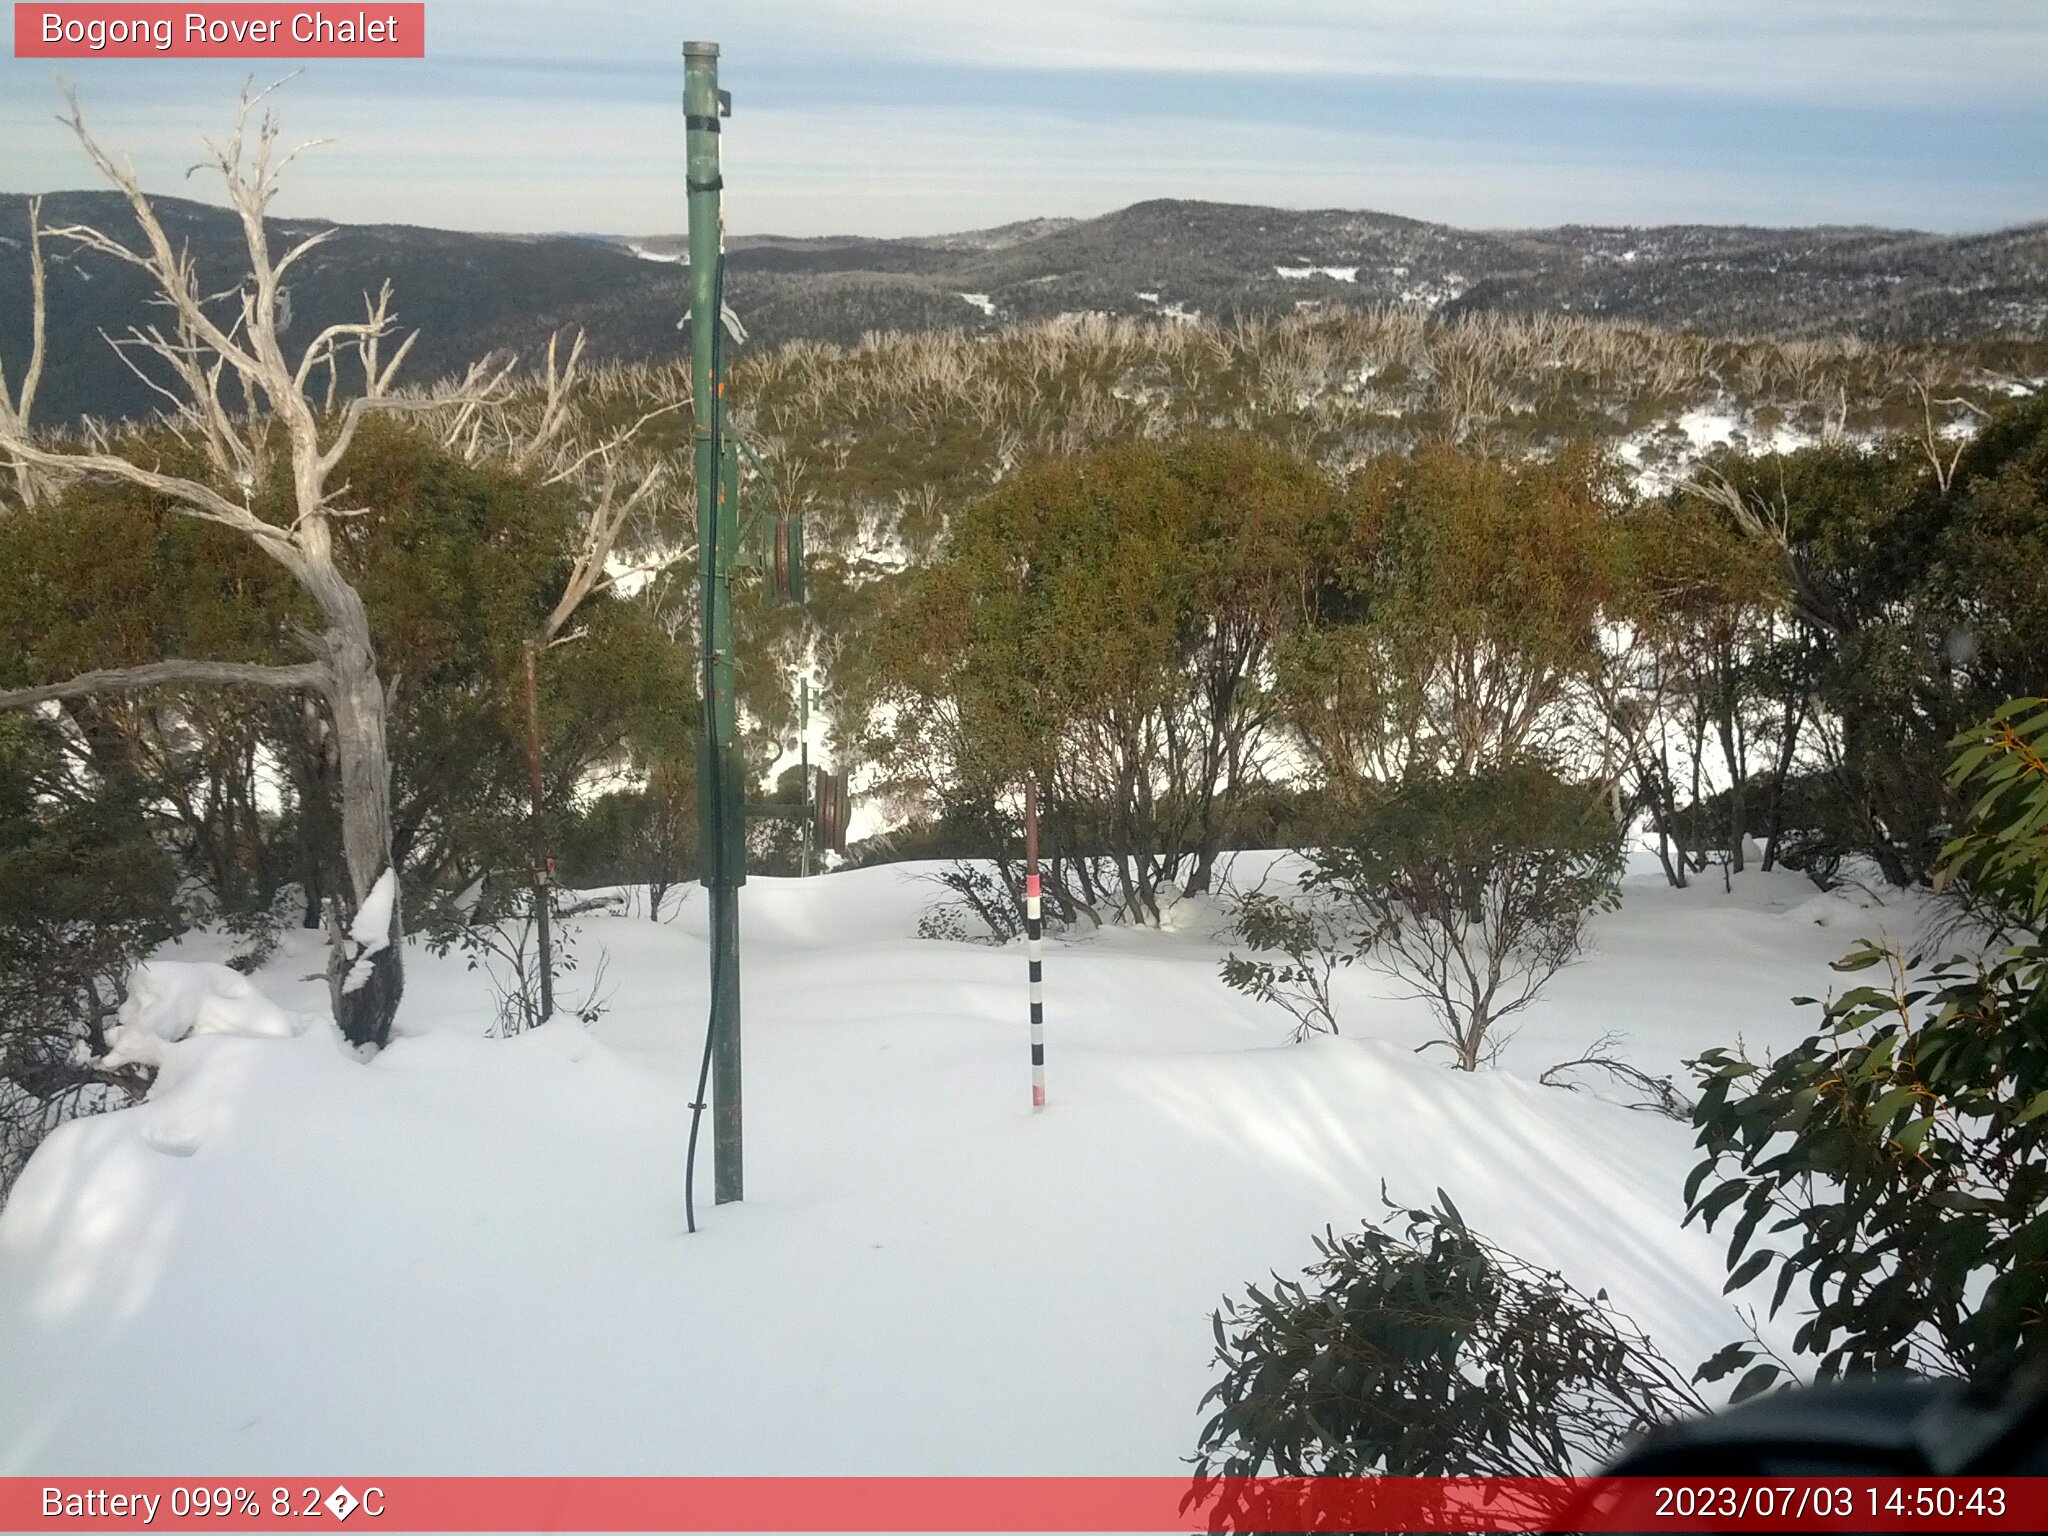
(159, 674)
(15, 408)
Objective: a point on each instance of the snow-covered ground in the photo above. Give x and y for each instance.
(468, 1256)
(1662, 455)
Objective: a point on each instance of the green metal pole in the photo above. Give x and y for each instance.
(804, 743)
(720, 783)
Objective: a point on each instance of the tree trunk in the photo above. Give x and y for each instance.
(1203, 876)
(1795, 717)
(1662, 795)
(312, 771)
(355, 697)
(541, 862)
(1738, 787)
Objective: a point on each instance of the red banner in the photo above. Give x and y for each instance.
(1061, 1504)
(359, 31)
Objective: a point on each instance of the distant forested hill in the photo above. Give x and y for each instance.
(469, 294)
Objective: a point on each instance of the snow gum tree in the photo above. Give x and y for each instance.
(1459, 614)
(268, 442)
(1690, 635)
(1473, 890)
(1437, 694)
(1909, 605)
(1105, 623)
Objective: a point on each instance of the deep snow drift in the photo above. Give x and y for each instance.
(468, 1256)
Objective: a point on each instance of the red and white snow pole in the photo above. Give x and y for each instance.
(1034, 934)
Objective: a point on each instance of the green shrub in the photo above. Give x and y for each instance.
(1473, 891)
(1428, 1352)
(1897, 1160)
(84, 894)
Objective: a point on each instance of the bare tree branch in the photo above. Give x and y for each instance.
(606, 520)
(157, 674)
(555, 412)
(1944, 468)
(14, 409)
(1769, 523)
(192, 497)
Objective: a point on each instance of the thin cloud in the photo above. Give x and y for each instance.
(910, 116)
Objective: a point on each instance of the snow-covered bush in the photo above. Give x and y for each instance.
(980, 909)
(170, 1000)
(84, 893)
(1419, 1349)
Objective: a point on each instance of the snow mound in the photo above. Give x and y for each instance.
(170, 999)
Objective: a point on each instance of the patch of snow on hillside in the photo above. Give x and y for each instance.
(1341, 274)
(981, 301)
(1434, 295)
(1706, 428)
(1713, 427)
(1663, 454)
(676, 257)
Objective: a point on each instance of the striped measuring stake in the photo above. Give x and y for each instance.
(1034, 934)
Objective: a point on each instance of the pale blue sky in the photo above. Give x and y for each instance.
(916, 116)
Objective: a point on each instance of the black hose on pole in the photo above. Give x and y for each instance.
(715, 757)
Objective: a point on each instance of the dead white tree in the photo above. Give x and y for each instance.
(616, 487)
(1768, 522)
(15, 408)
(1943, 456)
(236, 397)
